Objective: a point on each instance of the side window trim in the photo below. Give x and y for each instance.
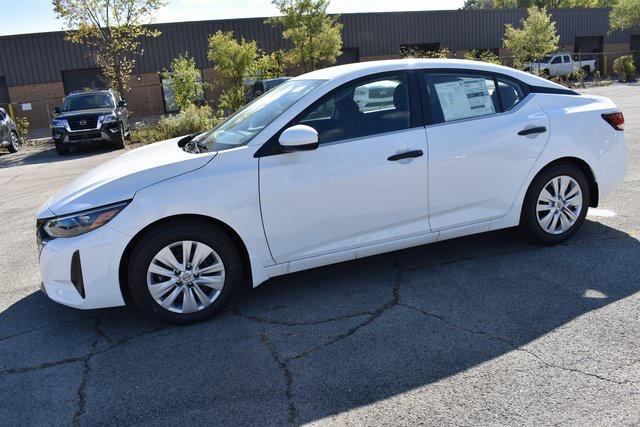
(429, 118)
(271, 147)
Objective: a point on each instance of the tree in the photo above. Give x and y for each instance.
(316, 36)
(478, 4)
(536, 38)
(509, 4)
(112, 30)
(625, 14)
(269, 66)
(186, 81)
(233, 61)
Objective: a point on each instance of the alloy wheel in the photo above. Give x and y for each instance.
(185, 276)
(15, 142)
(559, 204)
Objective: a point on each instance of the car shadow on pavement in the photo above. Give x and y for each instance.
(321, 342)
(49, 155)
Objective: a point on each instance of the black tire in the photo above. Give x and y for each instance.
(119, 141)
(62, 149)
(14, 147)
(176, 231)
(529, 219)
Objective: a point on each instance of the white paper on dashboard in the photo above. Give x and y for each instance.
(465, 98)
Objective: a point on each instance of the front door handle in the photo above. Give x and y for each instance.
(405, 155)
(531, 131)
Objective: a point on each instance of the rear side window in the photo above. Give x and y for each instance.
(567, 58)
(456, 97)
(465, 95)
(510, 94)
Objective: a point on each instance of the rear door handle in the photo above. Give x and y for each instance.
(531, 131)
(405, 155)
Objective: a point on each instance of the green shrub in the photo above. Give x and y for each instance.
(22, 126)
(192, 119)
(624, 68)
(482, 55)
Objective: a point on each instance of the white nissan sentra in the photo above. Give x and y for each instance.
(318, 171)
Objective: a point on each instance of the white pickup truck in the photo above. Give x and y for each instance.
(560, 64)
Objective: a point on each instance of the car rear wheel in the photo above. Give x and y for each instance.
(15, 143)
(184, 273)
(62, 149)
(556, 204)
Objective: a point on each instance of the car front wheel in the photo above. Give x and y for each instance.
(15, 143)
(556, 204)
(184, 273)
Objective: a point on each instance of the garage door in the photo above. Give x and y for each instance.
(590, 44)
(4, 92)
(77, 80)
(635, 47)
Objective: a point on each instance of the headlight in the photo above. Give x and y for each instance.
(82, 222)
(109, 118)
(58, 123)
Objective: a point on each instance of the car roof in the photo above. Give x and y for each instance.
(89, 92)
(362, 69)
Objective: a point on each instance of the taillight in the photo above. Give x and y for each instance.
(616, 120)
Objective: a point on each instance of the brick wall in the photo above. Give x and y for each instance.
(145, 97)
(42, 97)
(613, 51)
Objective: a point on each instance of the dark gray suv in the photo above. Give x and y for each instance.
(96, 116)
(8, 133)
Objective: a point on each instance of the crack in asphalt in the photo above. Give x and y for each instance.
(512, 346)
(283, 364)
(264, 320)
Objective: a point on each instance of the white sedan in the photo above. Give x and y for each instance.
(303, 177)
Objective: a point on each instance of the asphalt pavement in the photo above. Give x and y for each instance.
(487, 329)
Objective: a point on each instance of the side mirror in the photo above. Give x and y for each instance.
(122, 104)
(298, 138)
(57, 110)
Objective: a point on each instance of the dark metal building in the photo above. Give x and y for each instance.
(36, 70)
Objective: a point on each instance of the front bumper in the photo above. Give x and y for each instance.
(108, 132)
(98, 253)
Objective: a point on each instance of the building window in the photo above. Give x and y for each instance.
(168, 94)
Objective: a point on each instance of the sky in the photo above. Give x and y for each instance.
(34, 16)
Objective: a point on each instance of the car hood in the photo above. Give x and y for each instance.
(119, 179)
(89, 112)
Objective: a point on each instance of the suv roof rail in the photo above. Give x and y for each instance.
(75, 92)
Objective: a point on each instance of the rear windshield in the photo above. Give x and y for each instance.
(88, 101)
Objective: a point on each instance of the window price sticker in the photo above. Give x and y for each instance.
(465, 98)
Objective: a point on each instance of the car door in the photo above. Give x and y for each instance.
(484, 136)
(567, 65)
(555, 66)
(366, 183)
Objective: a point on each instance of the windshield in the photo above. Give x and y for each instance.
(88, 101)
(240, 128)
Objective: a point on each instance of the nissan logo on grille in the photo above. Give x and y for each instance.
(82, 122)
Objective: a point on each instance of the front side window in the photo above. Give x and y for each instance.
(361, 109)
(88, 101)
(241, 127)
(557, 60)
(461, 96)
